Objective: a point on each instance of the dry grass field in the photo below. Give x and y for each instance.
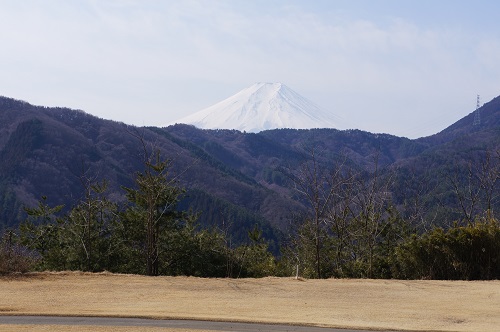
(368, 304)
(52, 328)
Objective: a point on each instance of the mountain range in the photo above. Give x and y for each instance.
(233, 178)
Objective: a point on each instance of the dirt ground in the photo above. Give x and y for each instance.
(368, 304)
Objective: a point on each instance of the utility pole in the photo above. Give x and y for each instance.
(477, 113)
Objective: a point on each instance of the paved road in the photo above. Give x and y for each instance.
(173, 323)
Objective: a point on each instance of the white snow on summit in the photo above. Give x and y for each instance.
(259, 107)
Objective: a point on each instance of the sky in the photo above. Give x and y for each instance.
(403, 67)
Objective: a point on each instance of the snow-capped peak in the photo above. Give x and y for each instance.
(262, 106)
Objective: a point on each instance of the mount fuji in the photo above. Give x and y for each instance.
(262, 106)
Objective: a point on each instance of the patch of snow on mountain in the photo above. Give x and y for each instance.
(259, 107)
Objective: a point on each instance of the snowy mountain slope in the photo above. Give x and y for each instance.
(262, 106)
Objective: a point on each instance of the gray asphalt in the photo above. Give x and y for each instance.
(171, 323)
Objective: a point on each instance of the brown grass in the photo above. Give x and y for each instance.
(68, 328)
(376, 304)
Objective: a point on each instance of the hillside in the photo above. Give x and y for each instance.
(230, 176)
(489, 122)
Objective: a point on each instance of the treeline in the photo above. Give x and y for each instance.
(354, 227)
(148, 235)
(459, 252)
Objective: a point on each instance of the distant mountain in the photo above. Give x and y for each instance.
(262, 106)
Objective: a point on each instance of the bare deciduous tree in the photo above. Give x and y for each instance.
(321, 189)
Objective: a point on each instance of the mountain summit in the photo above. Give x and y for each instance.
(259, 107)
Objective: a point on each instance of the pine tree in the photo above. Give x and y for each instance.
(153, 206)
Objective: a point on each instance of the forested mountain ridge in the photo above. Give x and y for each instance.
(231, 177)
(489, 120)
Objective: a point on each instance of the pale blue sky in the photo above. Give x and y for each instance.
(408, 68)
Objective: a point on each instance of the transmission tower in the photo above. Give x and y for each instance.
(477, 113)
